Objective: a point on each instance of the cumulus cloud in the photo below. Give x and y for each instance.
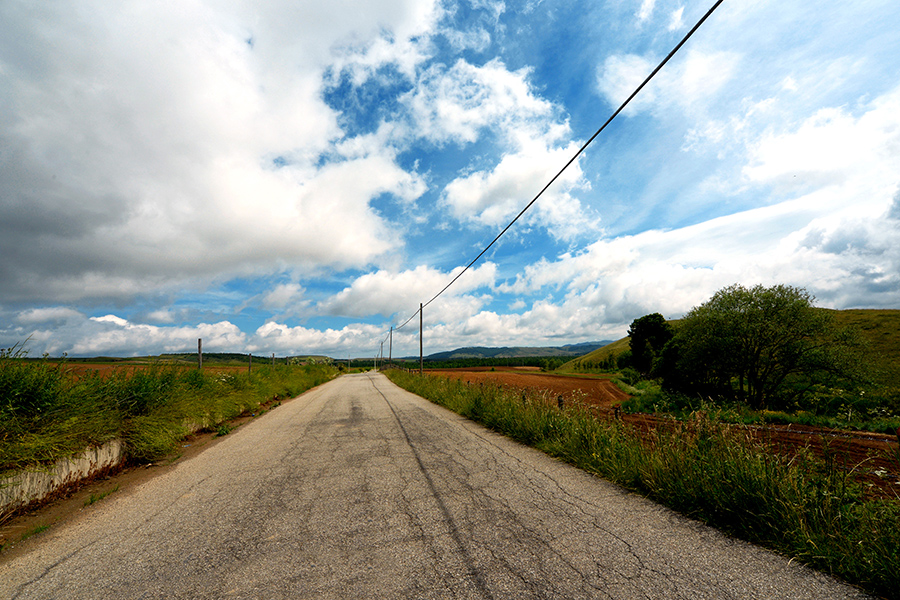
(455, 104)
(296, 340)
(460, 104)
(493, 197)
(283, 295)
(59, 330)
(387, 292)
(181, 147)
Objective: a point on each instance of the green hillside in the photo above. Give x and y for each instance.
(880, 329)
(594, 360)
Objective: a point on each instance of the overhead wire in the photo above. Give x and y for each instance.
(575, 156)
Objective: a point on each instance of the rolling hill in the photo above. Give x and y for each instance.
(518, 351)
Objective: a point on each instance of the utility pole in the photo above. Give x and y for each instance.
(200, 353)
(421, 361)
(391, 346)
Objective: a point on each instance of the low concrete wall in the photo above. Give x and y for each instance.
(29, 486)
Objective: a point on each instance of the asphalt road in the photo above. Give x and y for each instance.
(358, 489)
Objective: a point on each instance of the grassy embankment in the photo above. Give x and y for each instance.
(49, 412)
(805, 508)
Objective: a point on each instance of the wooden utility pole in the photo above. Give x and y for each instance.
(200, 353)
(250, 363)
(391, 346)
(421, 360)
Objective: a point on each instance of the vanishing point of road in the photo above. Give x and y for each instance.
(358, 489)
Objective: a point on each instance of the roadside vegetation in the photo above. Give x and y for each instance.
(747, 356)
(803, 507)
(49, 411)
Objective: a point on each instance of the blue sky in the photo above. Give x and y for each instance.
(296, 177)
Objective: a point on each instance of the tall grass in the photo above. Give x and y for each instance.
(802, 507)
(47, 412)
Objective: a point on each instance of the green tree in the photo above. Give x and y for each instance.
(649, 334)
(760, 346)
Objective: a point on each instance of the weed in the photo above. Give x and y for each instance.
(97, 497)
(34, 531)
(224, 429)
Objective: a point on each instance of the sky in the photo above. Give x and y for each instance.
(296, 177)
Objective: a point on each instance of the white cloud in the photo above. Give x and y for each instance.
(459, 104)
(388, 293)
(144, 159)
(687, 83)
(59, 330)
(835, 233)
(833, 147)
(456, 104)
(676, 20)
(620, 75)
(646, 10)
(284, 295)
(494, 197)
(286, 340)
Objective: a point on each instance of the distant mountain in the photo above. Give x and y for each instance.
(519, 351)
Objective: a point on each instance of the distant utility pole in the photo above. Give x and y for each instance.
(273, 359)
(250, 363)
(200, 353)
(391, 346)
(421, 360)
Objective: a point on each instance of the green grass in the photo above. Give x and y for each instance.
(98, 497)
(34, 531)
(48, 412)
(223, 429)
(806, 508)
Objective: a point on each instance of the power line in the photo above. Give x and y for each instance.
(577, 154)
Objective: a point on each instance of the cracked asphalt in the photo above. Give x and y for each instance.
(358, 489)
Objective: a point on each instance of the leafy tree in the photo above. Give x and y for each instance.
(649, 334)
(760, 346)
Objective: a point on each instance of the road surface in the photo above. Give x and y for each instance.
(358, 489)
